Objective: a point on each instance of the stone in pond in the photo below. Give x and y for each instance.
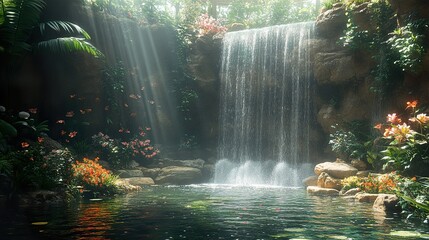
(140, 181)
(310, 181)
(313, 190)
(178, 175)
(387, 203)
(366, 197)
(335, 170)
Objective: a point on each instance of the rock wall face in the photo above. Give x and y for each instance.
(343, 76)
(47, 80)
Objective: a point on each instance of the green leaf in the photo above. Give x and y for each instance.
(6, 129)
(68, 45)
(65, 26)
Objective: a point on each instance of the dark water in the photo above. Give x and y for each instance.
(206, 212)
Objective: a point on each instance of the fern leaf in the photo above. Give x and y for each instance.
(67, 45)
(65, 26)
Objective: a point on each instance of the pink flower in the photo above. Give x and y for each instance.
(392, 118)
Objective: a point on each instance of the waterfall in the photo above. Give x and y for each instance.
(265, 106)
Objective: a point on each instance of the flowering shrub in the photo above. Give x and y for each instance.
(386, 183)
(92, 176)
(119, 153)
(351, 182)
(408, 148)
(207, 25)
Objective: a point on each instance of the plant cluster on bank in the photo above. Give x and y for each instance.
(30, 160)
(401, 148)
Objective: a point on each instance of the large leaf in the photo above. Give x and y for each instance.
(6, 129)
(60, 26)
(20, 18)
(67, 45)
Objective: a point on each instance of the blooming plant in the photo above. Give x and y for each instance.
(408, 147)
(119, 153)
(92, 176)
(386, 183)
(207, 25)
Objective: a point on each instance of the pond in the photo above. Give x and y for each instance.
(207, 212)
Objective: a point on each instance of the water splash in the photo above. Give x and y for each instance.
(265, 104)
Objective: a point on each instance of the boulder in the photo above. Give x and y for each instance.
(333, 67)
(130, 173)
(140, 181)
(335, 170)
(125, 187)
(362, 173)
(387, 203)
(366, 197)
(196, 163)
(326, 181)
(332, 22)
(350, 192)
(310, 181)
(359, 164)
(327, 116)
(313, 190)
(150, 172)
(178, 175)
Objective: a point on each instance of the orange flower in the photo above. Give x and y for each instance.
(412, 104)
(386, 132)
(378, 126)
(414, 179)
(25, 144)
(40, 139)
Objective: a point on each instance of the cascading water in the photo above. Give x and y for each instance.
(265, 106)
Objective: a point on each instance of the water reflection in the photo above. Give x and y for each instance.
(95, 220)
(209, 212)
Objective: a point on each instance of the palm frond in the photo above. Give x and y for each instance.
(19, 19)
(67, 45)
(65, 26)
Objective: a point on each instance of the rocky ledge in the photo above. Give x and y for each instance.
(168, 171)
(328, 182)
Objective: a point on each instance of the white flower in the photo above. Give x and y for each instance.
(2, 109)
(24, 115)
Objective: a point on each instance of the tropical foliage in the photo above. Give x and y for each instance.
(20, 25)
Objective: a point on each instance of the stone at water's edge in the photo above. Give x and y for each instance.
(129, 173)
(196, 163)
(366, 197)
(336, 170)
(178, 175)
(140, 181)
(326, 181)
(310, 181)
(350, 192)
(387, 203)
(150, 172)
(313, 190)
(124, 186)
